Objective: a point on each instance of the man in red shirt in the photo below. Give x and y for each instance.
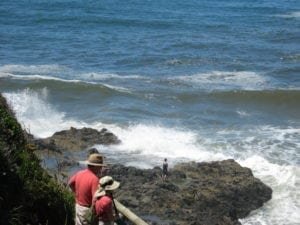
(84, 184)
(104, 206)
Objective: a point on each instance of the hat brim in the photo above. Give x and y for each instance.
(102, 191)
(92, 164)
(115, 185)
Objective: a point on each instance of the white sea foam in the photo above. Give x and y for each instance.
(48, 72)
(41, 77)
(32, 69)
(227, 80)
(36, 114)
(242, 113)
(284, 180)
(291, 15)
(53, 72)
(117, 88)
(5, 74)
(159, 141)
(107, 76)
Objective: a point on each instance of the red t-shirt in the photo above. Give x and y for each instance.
(104, 208)
(84, 183)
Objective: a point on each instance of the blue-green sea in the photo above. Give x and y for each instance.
(187, 80)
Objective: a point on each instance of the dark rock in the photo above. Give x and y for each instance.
(75, 139)
(195, 193)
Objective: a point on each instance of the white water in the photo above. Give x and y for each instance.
(147, 144)
(291, 15)
(220, 80)
(245, 80)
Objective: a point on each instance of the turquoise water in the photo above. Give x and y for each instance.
(186, 80)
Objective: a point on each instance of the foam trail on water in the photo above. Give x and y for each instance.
(291, 15)
(107, 76)
(245, 80)
(33, 69)
(56, 72)
(41, 77)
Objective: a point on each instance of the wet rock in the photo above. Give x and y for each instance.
(194, 193)
(75, 139)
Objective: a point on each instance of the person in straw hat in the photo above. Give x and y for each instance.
(104, 205)
(84, 184)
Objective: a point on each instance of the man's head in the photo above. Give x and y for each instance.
(95, 159)
(95, 163)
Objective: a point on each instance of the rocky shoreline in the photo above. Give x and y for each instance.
(194, 193)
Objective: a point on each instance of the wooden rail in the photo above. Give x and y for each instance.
(129, 214)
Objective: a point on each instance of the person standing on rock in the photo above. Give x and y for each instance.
(84, 184)
(165, 169)
(104, 206)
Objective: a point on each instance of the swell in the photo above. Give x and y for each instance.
(269, 97)
(76, 87)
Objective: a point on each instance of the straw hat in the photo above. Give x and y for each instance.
(94, 159)
(106, 183)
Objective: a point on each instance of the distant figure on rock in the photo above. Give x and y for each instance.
(165, 170)
(104, 206)
(84, 184)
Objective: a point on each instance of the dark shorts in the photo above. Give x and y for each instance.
(165, 172)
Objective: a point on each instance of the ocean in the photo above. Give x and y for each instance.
(186, 80)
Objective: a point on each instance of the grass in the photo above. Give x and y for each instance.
(28, 194)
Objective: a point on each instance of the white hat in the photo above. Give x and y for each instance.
(106, 183)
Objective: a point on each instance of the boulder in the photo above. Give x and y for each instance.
(194, 193)
(75, 139)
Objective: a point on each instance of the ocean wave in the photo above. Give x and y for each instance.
(48, 72)
(283, 98)
(49, 79)
(208, 81)
(169, 142)
(226, 80)
(284, 180)
(41, 77)
(35, 113)
(277, 144)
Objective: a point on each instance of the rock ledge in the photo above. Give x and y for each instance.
(195, 193)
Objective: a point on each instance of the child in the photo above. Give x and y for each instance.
(104, 206)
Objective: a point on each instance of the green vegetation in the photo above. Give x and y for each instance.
(28, 195)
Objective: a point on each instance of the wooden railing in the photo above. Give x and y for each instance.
(129, 214)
